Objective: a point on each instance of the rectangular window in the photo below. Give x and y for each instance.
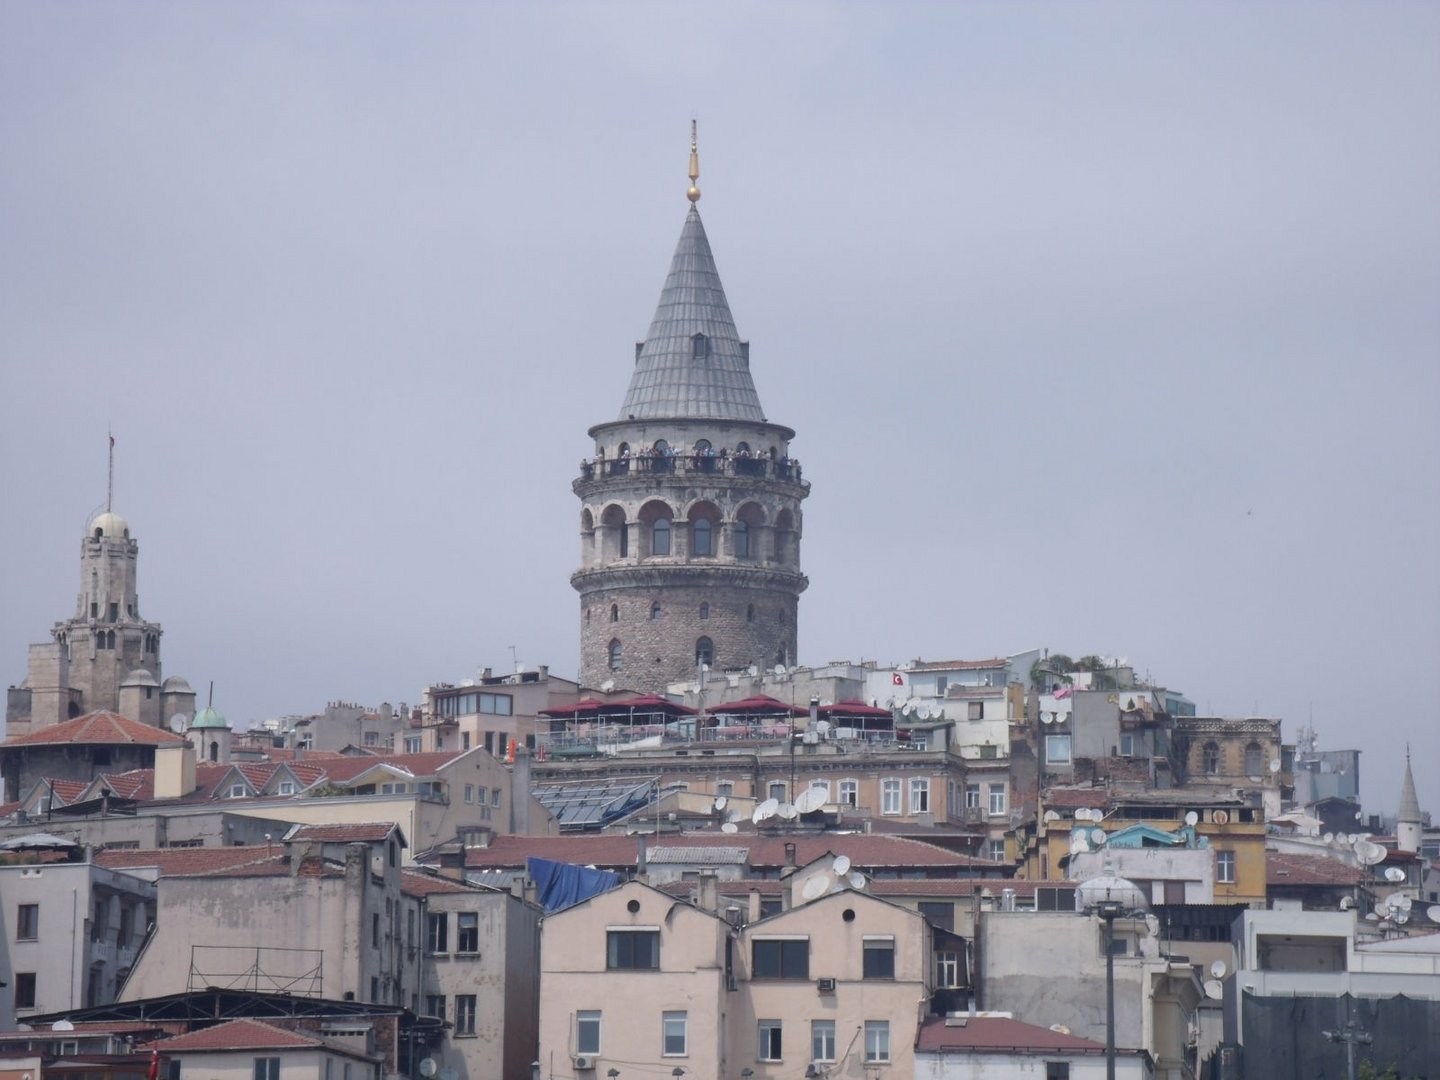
(673, 1041)
(942, 683)
(972, 796)
(769, 1044)
(633, 949)
(822, 1040)
(879, 958)
(975, 710)
(587, 1031)
(469, 793)
(1057, 749)
(1225, 867)
(25, 990)
(27, 922)
(772, 958)
(939, 913)
(267, 1068)
(497, 704)
(467, 932)
(482, 794)
(414, 743)
(890, 796)
(464, 1014)
(1057, 1070)
(849, 792)
(435, 1005)
(919, 795)
(777, 791)
(437, 932)
(1127, 745)
(495, 796)
(725, 787)
(877, 1040)
(995, 850)
(375, 930)
(1174, 892)
(947, 970)
(285, 787)
(372, 738)
(820, 785)
(997, 799)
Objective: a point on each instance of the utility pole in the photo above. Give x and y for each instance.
(1349, 1035)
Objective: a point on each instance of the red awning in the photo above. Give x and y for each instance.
(759, 705)
(853, 708)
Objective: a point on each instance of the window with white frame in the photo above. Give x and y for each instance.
(267, 1068)
(776, 790)
(849, 792)
(1057, 749)
(470, 793)
(725, 787)
(587, 1031)
(890, 795)
(972, 796)
(464, 1014)
(1127, 744)
(997, 799)
(822, 1040)
(414, 744)
(877, 1040)
(1225, 867)
(769, 1046)
(467, 932)
(995, 850)
(821, 785)
(919, 794)
(673, 1033)
(947, 970)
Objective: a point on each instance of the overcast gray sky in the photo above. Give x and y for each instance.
(1106, 327)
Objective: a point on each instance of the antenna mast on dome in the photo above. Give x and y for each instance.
(110, 482)
(694, 193)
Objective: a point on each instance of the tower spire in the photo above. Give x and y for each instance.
(110, 480)
(694, 193)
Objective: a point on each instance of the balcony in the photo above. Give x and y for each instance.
(785, 470)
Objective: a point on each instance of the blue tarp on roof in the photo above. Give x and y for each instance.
(562, 885)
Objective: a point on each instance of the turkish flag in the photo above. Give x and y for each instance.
(154, 1063)
(897, 679)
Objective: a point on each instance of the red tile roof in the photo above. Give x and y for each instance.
(415, 883)
(1286, 869)
(183, 861)
(348, 768)
(1067, 798)
(97, 727)
(992, 1033)
(362, 832)
(239, 1035)
(606, 850)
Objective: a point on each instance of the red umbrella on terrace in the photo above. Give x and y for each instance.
(853, 708)
(759, 705)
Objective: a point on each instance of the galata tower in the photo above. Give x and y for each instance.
(690, 522)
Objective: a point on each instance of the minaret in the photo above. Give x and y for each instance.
(690, 522)
(1408, 821)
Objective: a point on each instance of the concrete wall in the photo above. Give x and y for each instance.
(1002, 1066)
(1195, 867)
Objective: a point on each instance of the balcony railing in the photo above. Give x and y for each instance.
(786, 469)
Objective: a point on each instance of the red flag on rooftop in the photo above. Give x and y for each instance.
(897, 679)
(154, 1050)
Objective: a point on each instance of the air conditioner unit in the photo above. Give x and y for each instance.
(825, 986)
(584, 1061)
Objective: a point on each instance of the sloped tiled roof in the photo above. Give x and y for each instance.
(183, 862)
(361, 832)
(1287, 869)
(239, 1035)
(672, 378)
(996, 1033)
(105, 728)
(345, 769)
(416, 883)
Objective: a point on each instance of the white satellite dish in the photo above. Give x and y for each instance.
(1218, 969)
(815, 887)
(1404, 903)
(607, 685)
(1382, 910)
(177, 723)
(1047, 718)
(1372, 917)
(1098, 837)
(822, 727)
(811, 799)
(906, 710)
(720, 802)
(752, 671)
(787, 811)
(1061, 1028)
(765, 811)
(1403, 918)
(428, 1068)
(1329, 838)
(1082, 814)
(924, 712)
(734, 817)
(1220, 817)
(1370, 852)
(1192, 818)
(1213, 990)
(1347, 903)
(1078, 844)
(778, 669)
(1051, 815)
(1433, 913)
(1394, 873)
(729, 827)
(1275, 764)
(62, 1025)
(841, 865)
(856, 879)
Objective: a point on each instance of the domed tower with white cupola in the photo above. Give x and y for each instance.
(690, 516)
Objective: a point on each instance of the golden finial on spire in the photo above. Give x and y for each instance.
(694, 193)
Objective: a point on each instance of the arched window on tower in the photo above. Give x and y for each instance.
(624, 541)
(655, 610)
(741, 532)
(614, 612)
(660, 537)
(615, 654)
(703, 537)
(705, 610)
(782, 654)
(704, 652)
(699, 346)
(749, 612)
(214, 750)
(1210, 758)
(1252, 759)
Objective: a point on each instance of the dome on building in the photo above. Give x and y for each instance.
(109, 524)
(139, 677)
(176, 685)
(209, 717)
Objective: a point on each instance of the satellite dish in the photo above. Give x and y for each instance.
(1078, 844)
(1051, 815)
(1329, 838)
(428, 1068)
(1433, 913)
(1275, 764)
(1403, 918)
(62, 1025)
(815, 887)
(856, 879)
(1098, 837)
(729, 827)
(1082, 814)
(822, 727)
(924, 712)
(1382, 909)
(779, 669)
(1192, 818)
(1213, 990)
(1394, 873)
(1404, 903)
(734, 817)
(811, 799)
(449, 1072)
(1347, 903)
(1218, 969)
(607, 685)
(765, 811)
(177, 723)
(1372, 917)
(787, 811)
(720, 802)
(841, 864)
(752, 671)
(1061, 1028)
(1047, 718)
(1374, 853)
(906, 710)
(1220, 817)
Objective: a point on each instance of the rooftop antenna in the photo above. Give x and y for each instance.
(694, 193)
(210, 698)
(110, 481)
(514, 659)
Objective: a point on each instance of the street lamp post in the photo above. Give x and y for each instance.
(1349, 1035)
(1110, 897)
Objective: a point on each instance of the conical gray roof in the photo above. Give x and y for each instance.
(1409, 803)
(676, 376)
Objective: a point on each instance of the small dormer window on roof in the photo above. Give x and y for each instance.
(699, 346)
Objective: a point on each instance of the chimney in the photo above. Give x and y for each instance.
(708, 891)
(789, 867)
(640, 856)
(174, 771)
(754, 913)
(520, 795)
